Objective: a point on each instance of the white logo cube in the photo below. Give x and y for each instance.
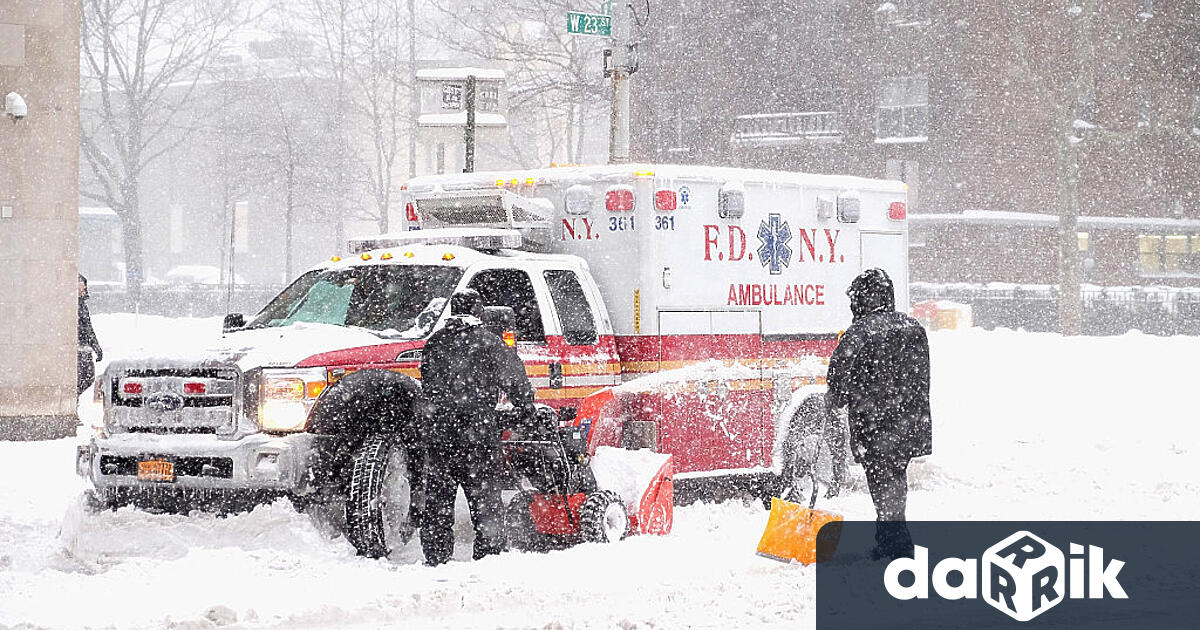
(1023, 576)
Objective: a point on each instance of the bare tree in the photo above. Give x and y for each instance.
(553, 73)
(142, 63)
(364, 49)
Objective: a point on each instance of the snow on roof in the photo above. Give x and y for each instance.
(96, 211)
(996, 217)
(688, 172)
(460, 74)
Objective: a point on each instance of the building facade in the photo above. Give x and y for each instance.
(39, 173)
(978, 107)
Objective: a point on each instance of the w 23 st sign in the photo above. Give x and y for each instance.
(589, 24)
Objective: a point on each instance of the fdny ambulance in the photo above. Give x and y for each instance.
(684, 309)
(718, 293)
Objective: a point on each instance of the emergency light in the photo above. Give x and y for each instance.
(849, 208)
(897, 211)
(619, 199)
(731, 202)
(665, 200)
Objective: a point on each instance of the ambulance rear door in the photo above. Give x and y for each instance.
(712, 416)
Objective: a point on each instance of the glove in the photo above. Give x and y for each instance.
(858, 450)
(99, 355)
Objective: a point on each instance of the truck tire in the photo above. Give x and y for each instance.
(603, 517)
(378, 497)
(518, 525)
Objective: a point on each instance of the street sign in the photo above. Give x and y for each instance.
(589, 24)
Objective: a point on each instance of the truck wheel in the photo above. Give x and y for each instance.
(603, 518)
(518, 524)
(379, 497)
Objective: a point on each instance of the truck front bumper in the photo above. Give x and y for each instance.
(257, 462)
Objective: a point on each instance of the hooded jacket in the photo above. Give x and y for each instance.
(880, 370)
(467, 366)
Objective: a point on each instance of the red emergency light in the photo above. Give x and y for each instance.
(665, 200)
(195, 389)
(897, 211)
(410, 212)
(619, 200)
(131, 388)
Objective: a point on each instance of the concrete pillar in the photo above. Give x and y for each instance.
(39, 201)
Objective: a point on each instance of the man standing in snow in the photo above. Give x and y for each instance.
(880, 370)
(464, 368)
(89, 344)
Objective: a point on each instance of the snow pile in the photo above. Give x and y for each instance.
(1026, 426)
(626, 472)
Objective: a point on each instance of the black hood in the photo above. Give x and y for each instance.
(871, 292)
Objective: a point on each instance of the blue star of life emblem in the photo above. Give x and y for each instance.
(774, 252)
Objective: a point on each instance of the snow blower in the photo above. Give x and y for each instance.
(791, 533)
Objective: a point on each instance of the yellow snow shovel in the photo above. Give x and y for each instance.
(791, 534)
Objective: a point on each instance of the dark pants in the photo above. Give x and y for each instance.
(475, 467)
(887, 479)
(87, 371)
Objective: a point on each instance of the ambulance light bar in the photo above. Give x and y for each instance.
(491, 207)
(473, 238)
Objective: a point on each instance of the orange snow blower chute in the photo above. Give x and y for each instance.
(791, 533)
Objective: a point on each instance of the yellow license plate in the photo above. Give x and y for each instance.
(156, 470)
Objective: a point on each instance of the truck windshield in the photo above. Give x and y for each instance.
(392, 300)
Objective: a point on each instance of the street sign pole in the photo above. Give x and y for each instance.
(616, 26)
(618, 138)
(469, 139)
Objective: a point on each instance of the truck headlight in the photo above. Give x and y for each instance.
(286, 398)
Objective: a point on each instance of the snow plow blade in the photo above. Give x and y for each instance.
(791, 534)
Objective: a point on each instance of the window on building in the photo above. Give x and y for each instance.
(903, 12)
(1145, 9)
(1196, 114)
(903, 113)
(1169, 254)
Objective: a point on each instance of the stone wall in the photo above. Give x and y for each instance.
(39, 199)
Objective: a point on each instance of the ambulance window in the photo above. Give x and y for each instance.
(512, 288)
(578, 325)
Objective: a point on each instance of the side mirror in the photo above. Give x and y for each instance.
(233, 321)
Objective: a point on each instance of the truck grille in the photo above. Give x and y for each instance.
(185, 399)
(220, 467)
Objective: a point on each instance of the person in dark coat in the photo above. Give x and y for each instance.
(89, 344)
(880, 371)
(464, 367)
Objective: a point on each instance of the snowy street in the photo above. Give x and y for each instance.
(1026, 426)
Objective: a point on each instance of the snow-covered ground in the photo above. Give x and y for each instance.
(1026, 426)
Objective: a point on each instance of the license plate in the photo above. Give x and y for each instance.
(156, 470)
